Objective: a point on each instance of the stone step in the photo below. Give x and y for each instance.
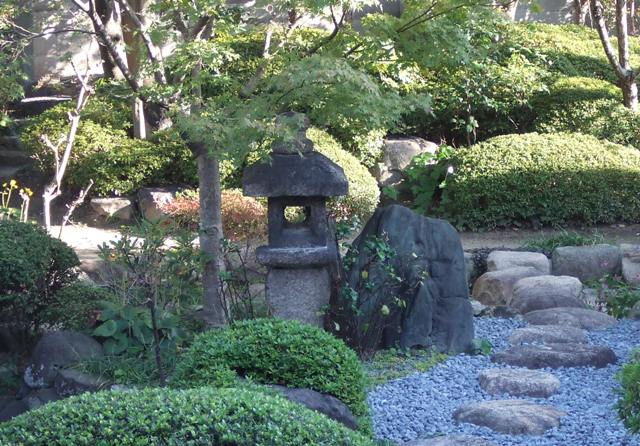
(519, 382)
(514, 417)
(571, 317)
(543, 334)
(555, 356)
(451, 440)
(542, 292)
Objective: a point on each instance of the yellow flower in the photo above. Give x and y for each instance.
(28, 191)
(13, 184)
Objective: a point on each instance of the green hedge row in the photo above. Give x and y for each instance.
(542, 178)
(194, 417)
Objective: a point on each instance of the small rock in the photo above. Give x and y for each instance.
(586, 262)
(571, 317)
(55, 350)
(542, 292)
(519, 382)
(119, 207)
(514, 417)
(325, 404)
(470, 268)
(504, 312)
(631, 263)
(13, 409)
(451, 440)
(40, 397)
(634, 313)
(498, 260)
(555, 356)
(72, 382)
(496, 287)
(397, 155)
(478, 308)
(152, 199)
(544, 334)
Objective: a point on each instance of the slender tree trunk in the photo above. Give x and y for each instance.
(211, 237)
(632, 17)
(580, 10)
(511, 8)
(630, 93)
(109, 13)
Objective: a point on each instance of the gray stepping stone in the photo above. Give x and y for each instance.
(586, 262)
(555, 356)
(514, 417)
(519, 382)
(498, 260)
(544, 334)
(496, 287)
(571, 317)
(451, 440)
(542, 292)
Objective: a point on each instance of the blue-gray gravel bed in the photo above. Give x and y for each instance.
(421, 405)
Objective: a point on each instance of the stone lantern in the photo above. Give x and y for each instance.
(300, 251)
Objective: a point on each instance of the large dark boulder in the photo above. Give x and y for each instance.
(430, 266)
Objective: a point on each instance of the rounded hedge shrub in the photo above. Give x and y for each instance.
(272, 351)
(590, 106)
(545, 178)
(202, 416)
(364, 195)
(629, 402)
(33, 268)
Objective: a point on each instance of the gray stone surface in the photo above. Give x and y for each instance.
(438, 311)
(498, 260)
(478, 308)
(544, 334)
(519, 382)
(571, 317)
(555, 356)
(470, 268)
(294, 257)
(631, 263)
(325, 404)
(13, 409)
(55, 350)
(293, 127)
(451, 440)
(496, 287)
(72, 382)
(40, 397)
(515, 417)
(586, 262)
(299, 294)
(308, 175)
(118, 207)
(634, 313)
(542, 292)
(397, 154)
(152, 199)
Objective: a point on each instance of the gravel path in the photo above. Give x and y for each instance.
(421, 405)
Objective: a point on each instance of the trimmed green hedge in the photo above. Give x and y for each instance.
(152, 417)
(629, 402)
(364, 195)
(545, 178)
(590, 106)
(273, 351)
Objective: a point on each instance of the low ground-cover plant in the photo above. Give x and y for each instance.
(629, 402)
(34, 267)
(547, 244)
(272, 351)
(615, 295)
(387, 365)
(547, 179)
(214, 417)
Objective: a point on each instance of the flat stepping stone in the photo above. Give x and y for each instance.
(571, 317)
(519, 382)
(547, 334)
(542, 292)
(498, 260)
(586, 262)
(452, 440)
(496, 287)
(555, 356)
(514, 417)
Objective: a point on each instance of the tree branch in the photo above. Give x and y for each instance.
(597, 11)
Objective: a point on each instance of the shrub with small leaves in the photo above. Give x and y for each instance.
(272, 351)
(76, 306)
(202, 416)
(629, 402)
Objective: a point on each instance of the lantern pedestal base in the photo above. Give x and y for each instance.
(299, 294)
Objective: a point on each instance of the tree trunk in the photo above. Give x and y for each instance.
(632, 17)
(211, 237)
(630, 93)
(511, 8)
(109, 13)
(580, 10)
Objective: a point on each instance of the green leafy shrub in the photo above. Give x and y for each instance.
(564, 238)
(546, 178)
(203, 416)
(76, 306)
(629, 402)
(590, 106)
(33, 268)
(364, 195)
(273, 351)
